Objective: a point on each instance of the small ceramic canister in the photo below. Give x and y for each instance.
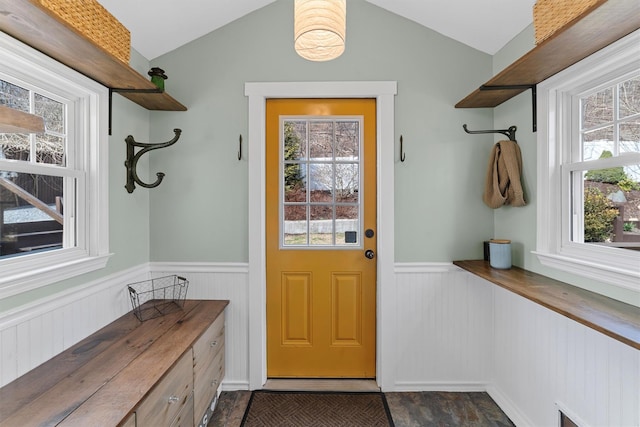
(500, 253)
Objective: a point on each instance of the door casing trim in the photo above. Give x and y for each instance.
(384, 92)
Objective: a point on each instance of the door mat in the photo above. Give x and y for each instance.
(269, 408)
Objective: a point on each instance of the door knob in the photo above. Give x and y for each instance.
(369, 254)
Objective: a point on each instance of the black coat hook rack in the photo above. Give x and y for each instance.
(132, 160)
(402, 153)
(510, 133)
(240, 148)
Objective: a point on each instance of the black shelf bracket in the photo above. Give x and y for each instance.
(132, 160)
(534, 98)
(123, 90)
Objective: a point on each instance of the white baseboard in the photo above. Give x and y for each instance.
(234, 385)
(515, 415)
(440, 386)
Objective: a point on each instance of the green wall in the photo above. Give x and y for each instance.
(519, 224)
(199, 213)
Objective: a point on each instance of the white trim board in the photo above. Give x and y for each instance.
(384, 93)
(37, 308)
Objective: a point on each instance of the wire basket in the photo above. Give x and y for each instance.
(157, 297)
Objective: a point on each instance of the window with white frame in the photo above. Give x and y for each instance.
(589, 167)
(53, 184)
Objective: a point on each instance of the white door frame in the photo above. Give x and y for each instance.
(384, 92)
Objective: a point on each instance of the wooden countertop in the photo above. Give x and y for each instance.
(118, 364)
(613, 318)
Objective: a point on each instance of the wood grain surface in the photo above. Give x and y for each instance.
(118, 364)
(598, 27)
(613, 318)
(38, 27)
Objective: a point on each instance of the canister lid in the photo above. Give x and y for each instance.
(500, 241)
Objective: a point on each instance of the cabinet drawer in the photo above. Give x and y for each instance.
(185, 417)
(206, 385)
(169, 396)
(208, 345)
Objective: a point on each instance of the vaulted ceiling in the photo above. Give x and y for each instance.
(159, 26)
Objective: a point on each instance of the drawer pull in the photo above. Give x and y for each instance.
(214, 383)
(174, 399)
(214, 343)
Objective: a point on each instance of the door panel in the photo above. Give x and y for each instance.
(296, 309)
(347, 309)
(320, 197)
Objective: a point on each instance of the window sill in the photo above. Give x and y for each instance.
(615, 276)
(51, 272)
(613, 318)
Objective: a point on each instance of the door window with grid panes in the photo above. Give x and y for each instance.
(321, 201)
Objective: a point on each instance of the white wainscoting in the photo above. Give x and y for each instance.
(227, 281)
(444, 329)
(456, 332)
(36, 332)
(544, 361)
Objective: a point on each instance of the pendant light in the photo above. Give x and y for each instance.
(320, 28)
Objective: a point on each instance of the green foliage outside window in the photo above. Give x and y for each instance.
(628, 184)
(291, 150)
(608, 175)
(599, 214)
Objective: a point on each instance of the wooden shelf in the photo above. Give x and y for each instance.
(598, 27)
(36, 26)
(613, 318)
(14, 121)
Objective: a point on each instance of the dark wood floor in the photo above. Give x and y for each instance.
(412, 409)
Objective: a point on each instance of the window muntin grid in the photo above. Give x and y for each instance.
(605, 162)
(37, 183)
(320, 176)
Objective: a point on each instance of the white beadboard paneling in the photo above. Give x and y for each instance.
(23, 349)
(544, 360)
(8, 355)
(444, 327)
(228, 281)
(34, 333)
(455, 332)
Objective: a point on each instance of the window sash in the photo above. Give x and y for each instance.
(558, 158)
(85, 172)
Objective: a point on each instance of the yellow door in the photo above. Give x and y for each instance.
(321, 238)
